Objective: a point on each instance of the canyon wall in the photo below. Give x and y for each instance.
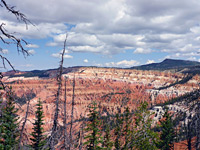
(111, 88)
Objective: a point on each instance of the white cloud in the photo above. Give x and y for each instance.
(4, 51)
(66, 51)
(68, 56)
(58, 55)
(42, 30)
(189, 55)
(111, 27)
(86, 49)
(32, 46)
(192, 58)
(161, 19)
(85, 61)
(52, 44)
(32, 51)
(123, 63)
(150, 61)
(142, 51)
(27, 65)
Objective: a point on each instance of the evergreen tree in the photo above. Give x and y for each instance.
(9, 127)
(144, 137)
(38, 139)
(118, 131)
(108, 144)
(127, 129)
(1, 122)
(167, 134)
(93, 139)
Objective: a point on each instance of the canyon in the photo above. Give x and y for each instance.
(112, 88)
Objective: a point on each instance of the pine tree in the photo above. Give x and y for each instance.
(118, 131)
(108, 144)
(127, 129)
(1, 122)
(144, 137)
(167, 134)
(38, 138)
(93, 139)
(9, 126)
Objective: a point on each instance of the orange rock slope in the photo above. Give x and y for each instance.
(113, 88)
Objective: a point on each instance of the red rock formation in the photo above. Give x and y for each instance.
(113, 88)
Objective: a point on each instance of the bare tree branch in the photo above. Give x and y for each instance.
(5, 59)
(9, 38)
(17, 41)
(20, 16)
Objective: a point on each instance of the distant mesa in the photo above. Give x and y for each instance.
(169, 64)
(173, 65)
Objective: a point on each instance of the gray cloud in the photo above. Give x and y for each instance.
(111, 27)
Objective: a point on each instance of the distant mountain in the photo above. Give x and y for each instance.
(184, 66)
(40, 73)
(168, 64)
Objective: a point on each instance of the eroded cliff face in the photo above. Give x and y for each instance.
(112, 88)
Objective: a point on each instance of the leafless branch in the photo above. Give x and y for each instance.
(19, 42)
(9, 38)
(4, 59)
(20, 16)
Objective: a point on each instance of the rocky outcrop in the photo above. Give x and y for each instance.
(112, 88)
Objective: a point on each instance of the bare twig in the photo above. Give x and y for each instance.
(9, 38)
(4, 59)
(17, 41)
(20, 16)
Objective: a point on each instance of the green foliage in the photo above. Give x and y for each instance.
(93, 137)
(118, 132)
(107, 142)
(144, 137)
(127, 129)
(38, 139)
(167, 134)
(9, 131)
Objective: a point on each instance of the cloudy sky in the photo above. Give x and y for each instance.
(110, 33)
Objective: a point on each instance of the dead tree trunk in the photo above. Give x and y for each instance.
(197, 128)
(72, 116)
(81, 133)
(24, 123)
(65, 118)
(55, 121)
